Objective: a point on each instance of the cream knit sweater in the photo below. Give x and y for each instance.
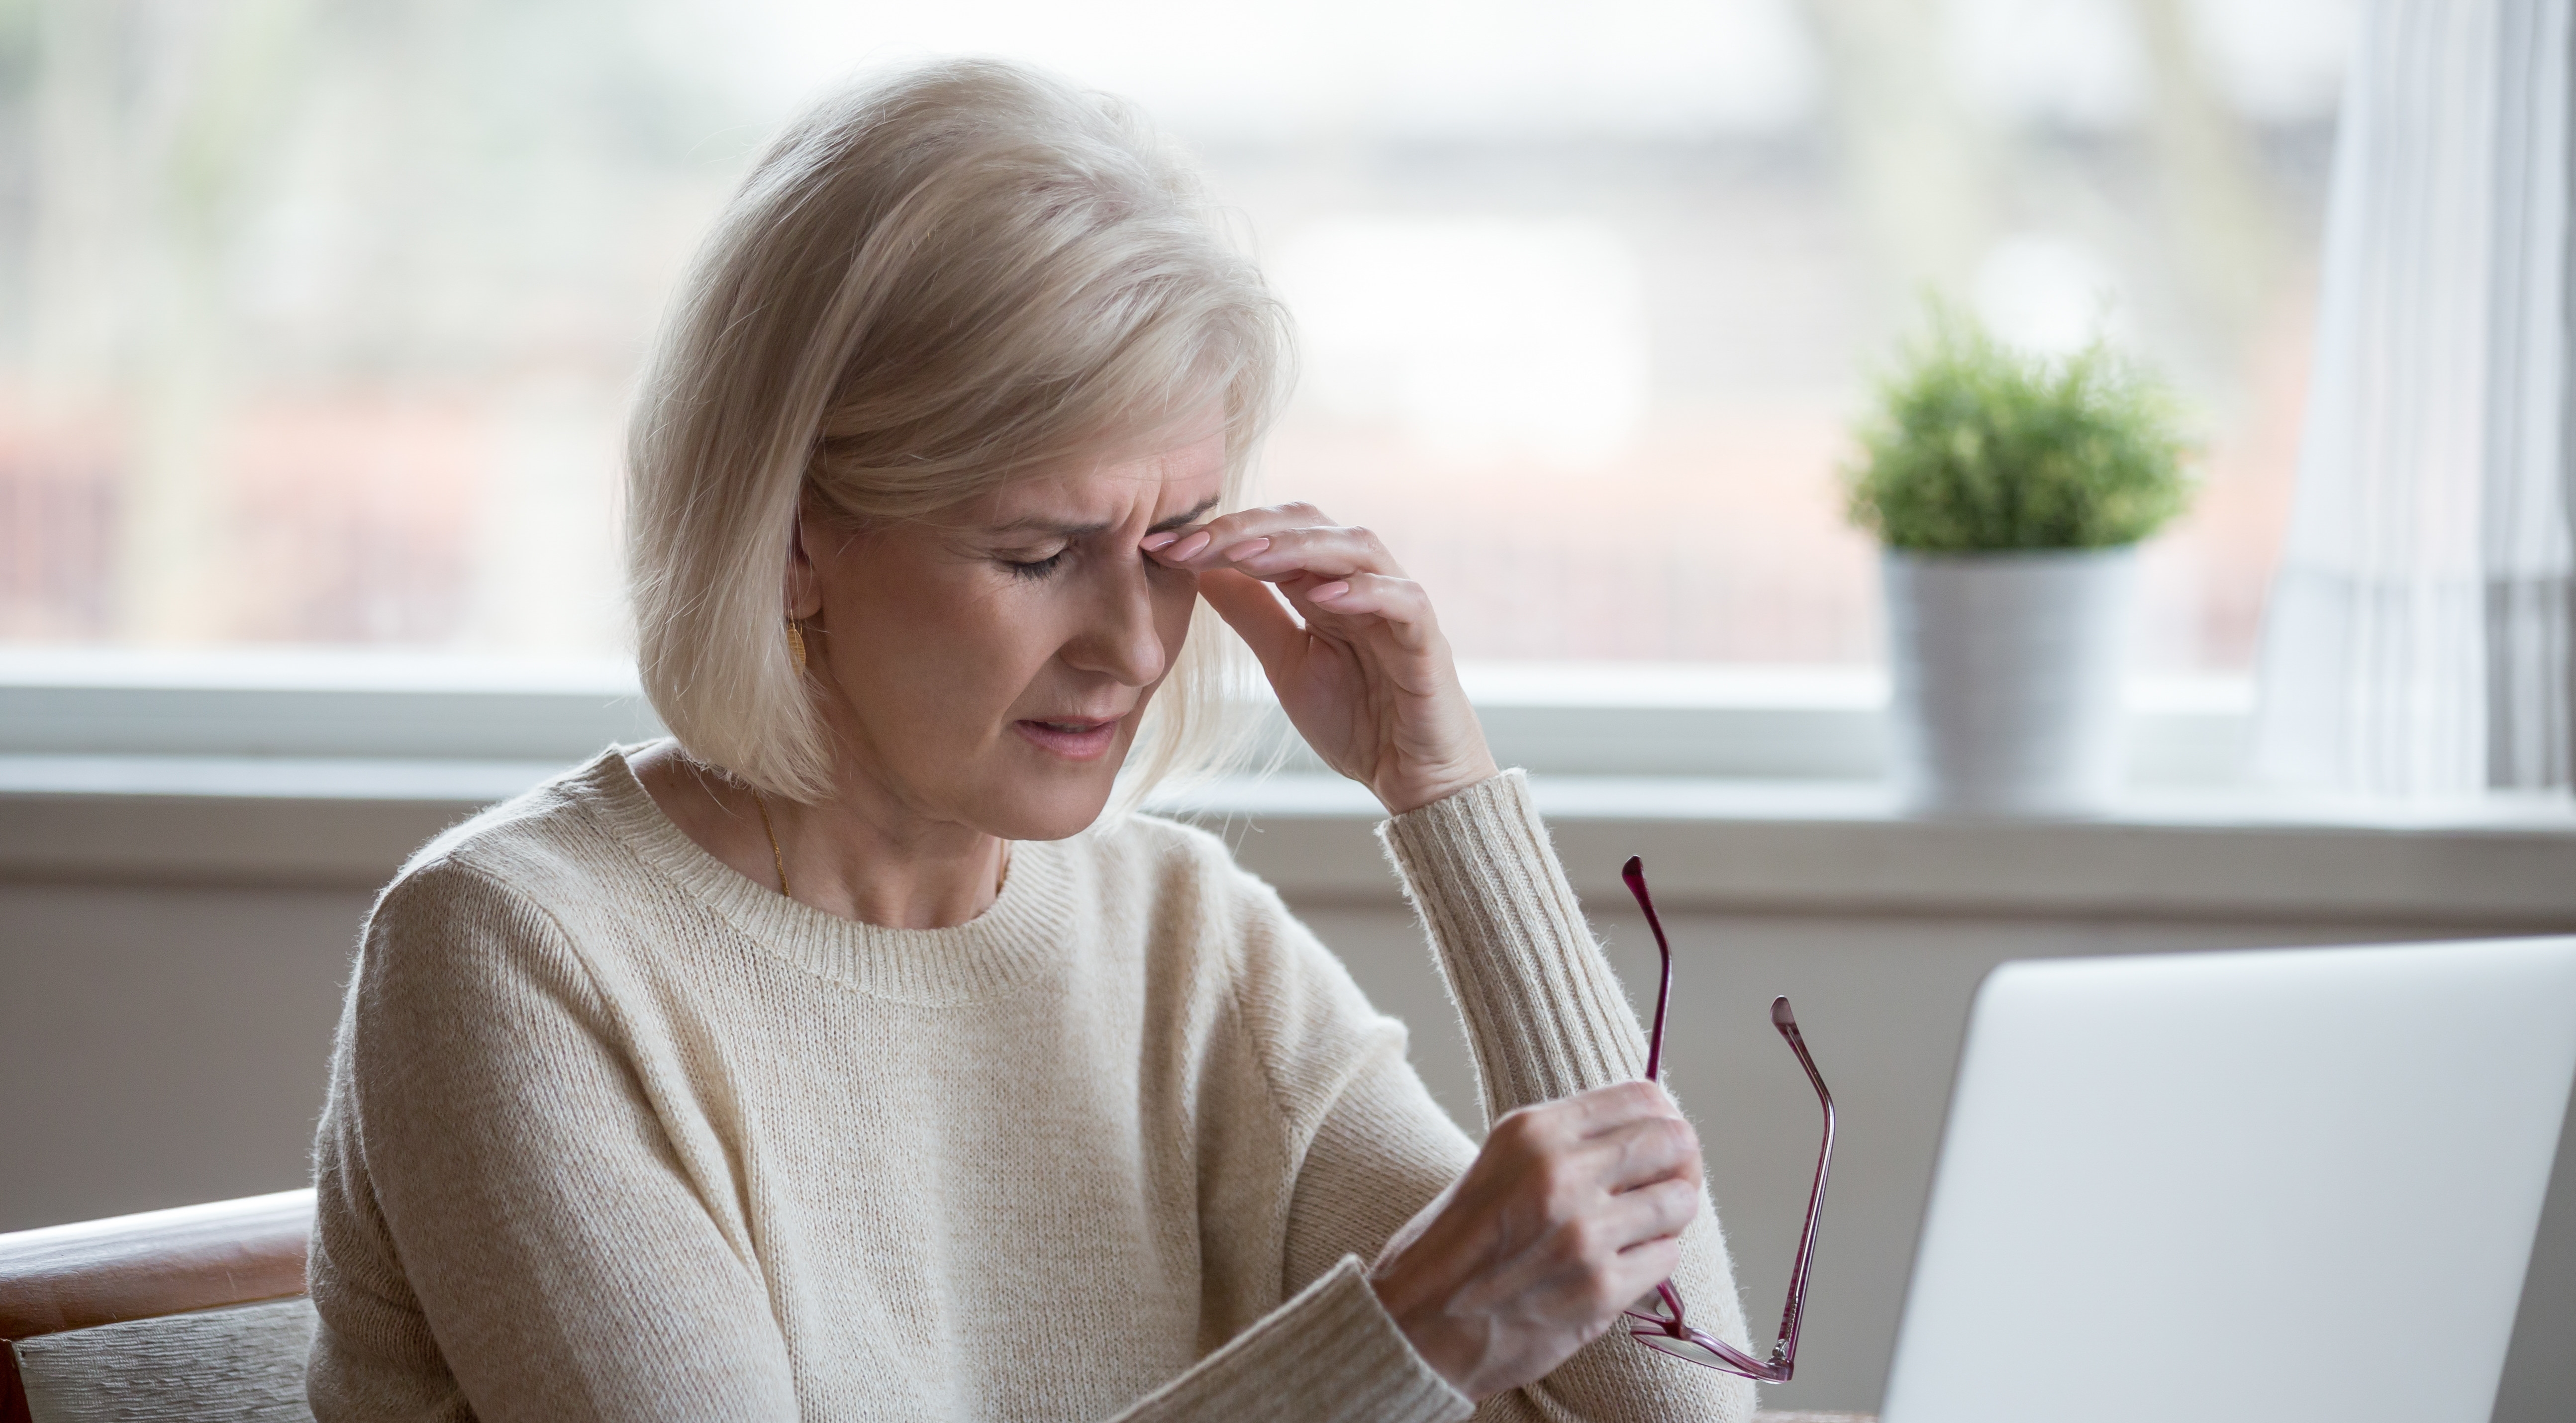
(614, 1132)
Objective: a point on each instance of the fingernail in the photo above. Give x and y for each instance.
(1245, 549)
(1189, 547)
(1328, 592)
(1154, 542)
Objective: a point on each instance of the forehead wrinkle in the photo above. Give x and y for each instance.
(1042, 524)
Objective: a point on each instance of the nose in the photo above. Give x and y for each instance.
(1120, 637)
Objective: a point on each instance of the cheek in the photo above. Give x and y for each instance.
(993, 644)
(924, 648)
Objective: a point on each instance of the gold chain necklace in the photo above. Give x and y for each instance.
(778, 861)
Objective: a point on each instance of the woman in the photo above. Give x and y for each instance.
(838, 1058)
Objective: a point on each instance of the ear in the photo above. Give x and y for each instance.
(804, 590)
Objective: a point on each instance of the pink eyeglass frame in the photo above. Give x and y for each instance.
(1662, 1328)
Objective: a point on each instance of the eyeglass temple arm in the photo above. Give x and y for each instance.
(1784, 1353)
(1634, 872)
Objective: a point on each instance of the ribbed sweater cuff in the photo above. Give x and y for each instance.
(1545, 1015)
(1333, 1353)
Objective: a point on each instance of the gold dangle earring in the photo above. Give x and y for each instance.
(796, 644)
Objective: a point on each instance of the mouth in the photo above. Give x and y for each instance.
(1074, 739)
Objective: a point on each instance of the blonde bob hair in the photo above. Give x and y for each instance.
(932, 283)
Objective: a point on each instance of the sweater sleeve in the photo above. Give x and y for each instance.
(1330, 1355)
(488, 1167)
(1331, 1351)
(1545, 1017)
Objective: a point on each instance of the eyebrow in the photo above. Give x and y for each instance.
(1040, 525)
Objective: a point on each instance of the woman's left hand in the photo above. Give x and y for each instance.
(1360, 664)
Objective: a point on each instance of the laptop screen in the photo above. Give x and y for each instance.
(2259, 1186)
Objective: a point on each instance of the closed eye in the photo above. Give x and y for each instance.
(1036, 567)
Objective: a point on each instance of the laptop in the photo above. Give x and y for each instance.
(2269, 1186)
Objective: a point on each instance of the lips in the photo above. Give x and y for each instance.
(1073, 738)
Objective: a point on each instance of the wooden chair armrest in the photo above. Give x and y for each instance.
(160, 1262)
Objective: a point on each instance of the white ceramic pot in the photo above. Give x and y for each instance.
(2007, 670)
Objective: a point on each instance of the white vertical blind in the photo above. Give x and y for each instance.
(2419, 636)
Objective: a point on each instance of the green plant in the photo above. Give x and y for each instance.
(1974, 447)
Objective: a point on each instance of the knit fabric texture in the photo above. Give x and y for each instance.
(614, 1132)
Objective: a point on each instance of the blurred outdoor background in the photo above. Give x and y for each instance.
(318, 317)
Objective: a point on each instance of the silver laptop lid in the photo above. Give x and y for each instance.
(2299, 1184)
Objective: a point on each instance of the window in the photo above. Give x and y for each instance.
(319, 319)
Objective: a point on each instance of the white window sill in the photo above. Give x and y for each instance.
(1746, 846)
(1594, 719)
(1754, 789)
(1843, 847)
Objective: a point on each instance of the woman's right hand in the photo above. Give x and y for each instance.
(1568, 1216)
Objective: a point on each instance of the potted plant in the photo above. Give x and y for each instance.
(2010, 492)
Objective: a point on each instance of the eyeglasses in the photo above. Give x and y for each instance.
(1661, 1325)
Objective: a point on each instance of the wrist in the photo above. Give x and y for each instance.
(1439, 1343)
(1404, 794)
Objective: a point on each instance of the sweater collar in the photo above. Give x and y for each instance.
(1027, 928)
